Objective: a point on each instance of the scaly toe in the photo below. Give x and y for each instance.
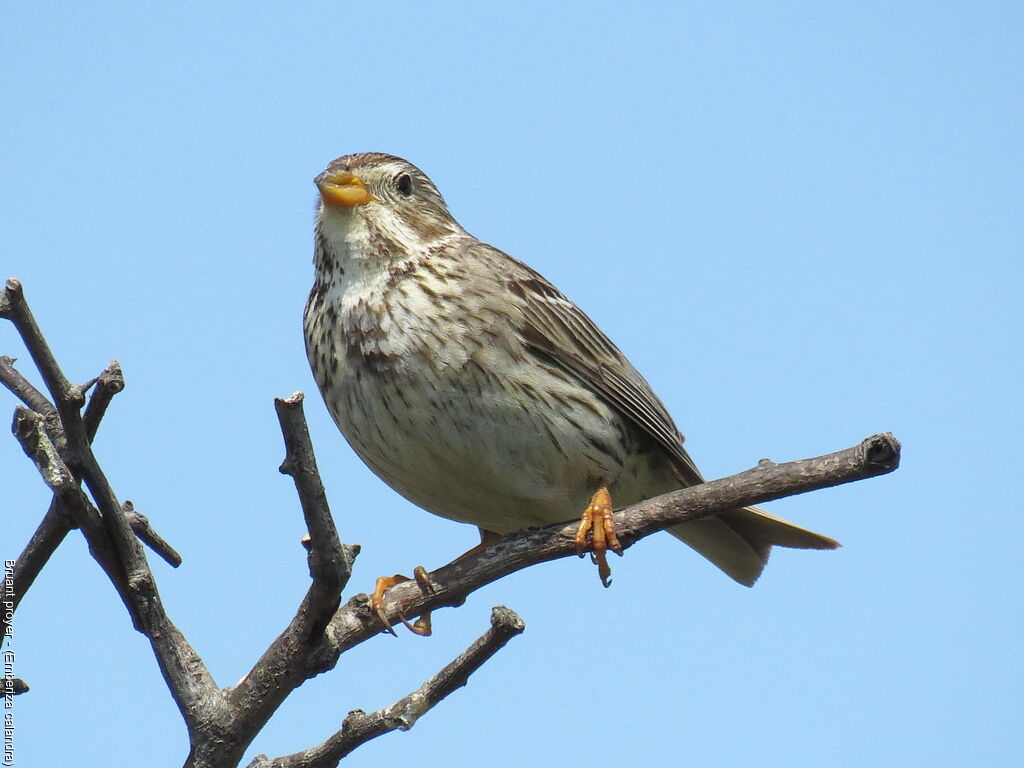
(598, 520)
(423, 580)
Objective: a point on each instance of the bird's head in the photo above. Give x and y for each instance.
(377, 204)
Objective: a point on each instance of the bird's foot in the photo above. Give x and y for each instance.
(597, 517)
(422, 624)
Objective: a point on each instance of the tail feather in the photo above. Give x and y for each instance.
(740, 541)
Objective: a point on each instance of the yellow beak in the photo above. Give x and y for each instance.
(341, 188)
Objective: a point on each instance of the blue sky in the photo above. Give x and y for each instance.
(802, 222)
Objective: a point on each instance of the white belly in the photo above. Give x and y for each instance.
(476, 452)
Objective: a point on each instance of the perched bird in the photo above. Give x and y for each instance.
(477, 390)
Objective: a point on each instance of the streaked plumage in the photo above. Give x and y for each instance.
(476, 389)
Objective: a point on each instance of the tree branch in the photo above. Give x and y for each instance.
(55, 526)
(330, 562)
(301, 650)
(58, 520)
(108, 384)
(14, 686)
(360, 727)
(186, 676)
(69, 508)
(65, 395)
(877, 455)
(142, 528)
(23, 389)
(30, 433)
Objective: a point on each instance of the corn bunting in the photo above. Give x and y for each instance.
(477, 390)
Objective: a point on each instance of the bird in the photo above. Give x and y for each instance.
(477, 390)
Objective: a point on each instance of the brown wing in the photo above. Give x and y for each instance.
(560, 332)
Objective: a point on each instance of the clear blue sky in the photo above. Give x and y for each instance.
(803, 224)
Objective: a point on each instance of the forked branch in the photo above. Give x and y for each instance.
(360, 727)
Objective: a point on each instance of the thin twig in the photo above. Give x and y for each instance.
(144, 530)
(14, 686)
(22, 388)
(330, 562)
(25, 391)
(108, 384)
(360, 727)
(14, 308)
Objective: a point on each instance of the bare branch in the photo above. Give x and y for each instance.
(69, 508)
(141, 526)
(330, 563)
(14, 686)
(301, 650)
(24, 390)
(876, 455)
(108, 384)
(31, 435)
(58, 520)
(360, 727)
(56, 524)
(187, 677)
(14, 308)
(35, 441)
(77, 456)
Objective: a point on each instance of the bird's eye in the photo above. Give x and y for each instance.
(404, 184)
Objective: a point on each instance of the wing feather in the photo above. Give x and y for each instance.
(562, 333)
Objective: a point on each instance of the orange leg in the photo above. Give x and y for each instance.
(597, 517)
(422, 626)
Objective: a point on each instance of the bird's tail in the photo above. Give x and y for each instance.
(740, 541)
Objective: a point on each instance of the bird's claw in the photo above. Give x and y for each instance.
(597, 519)
(422, 626)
